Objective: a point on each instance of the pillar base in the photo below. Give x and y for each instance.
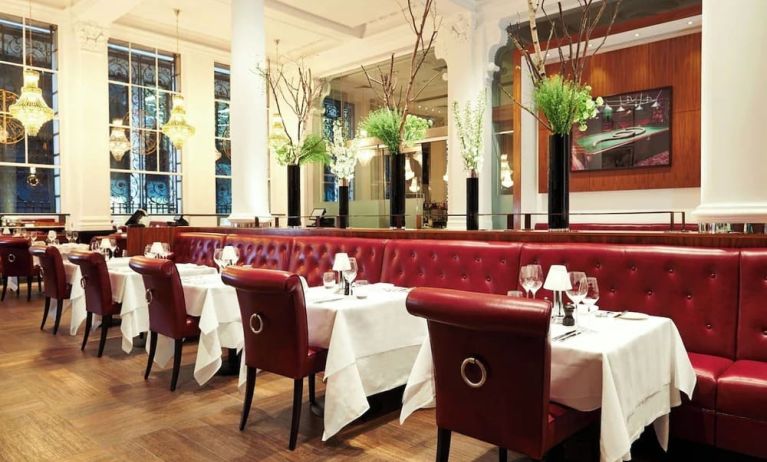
(247, 220)
(728, 212)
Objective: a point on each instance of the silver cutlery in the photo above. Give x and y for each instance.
(567, 335)
(560, 336)
(327, 300)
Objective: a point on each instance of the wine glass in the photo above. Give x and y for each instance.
(361, 288)
(329, 279)
(75, 236)
(592, 293)
(524, 280)
(579, 287)
(535, 273)
(165, 250)
(148, 252)
(351, 273)
(68, 235)
(218, 259)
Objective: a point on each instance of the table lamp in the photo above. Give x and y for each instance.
(52, 236)
(156, 249)
(229, 255)
(340, 264)
(557, 281)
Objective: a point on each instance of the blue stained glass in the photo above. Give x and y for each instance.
(223, 195)
(22, 192)
(333, 111)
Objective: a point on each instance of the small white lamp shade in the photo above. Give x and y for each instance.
(341, 262)
(229, 253)
(557, 279)
(51, 235)
(156, 247)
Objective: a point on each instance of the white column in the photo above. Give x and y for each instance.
(250, 155)
(732, 98)
(84, 109)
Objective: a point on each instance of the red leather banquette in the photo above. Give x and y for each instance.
(716, 298)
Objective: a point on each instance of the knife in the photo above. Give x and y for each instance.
(568, 335)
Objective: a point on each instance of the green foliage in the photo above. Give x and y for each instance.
(384, 124)
(565, 103)
(313, 149)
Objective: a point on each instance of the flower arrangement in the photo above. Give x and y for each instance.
(343, 154)
(565, 103)
(384, 124)
(468, 121)
(311, 149)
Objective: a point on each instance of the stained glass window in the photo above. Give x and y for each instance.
(223, 140)
(29, 165)
(142, 82)
(334, 110)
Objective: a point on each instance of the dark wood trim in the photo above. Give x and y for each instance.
(516, 141)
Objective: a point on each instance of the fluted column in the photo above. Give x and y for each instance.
(734, 63)
(250, 154)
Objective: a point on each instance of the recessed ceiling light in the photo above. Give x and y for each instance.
(689, 23)
(636, 35)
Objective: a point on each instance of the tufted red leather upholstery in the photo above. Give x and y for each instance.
(167, 307)
(312, 256)
(488, 267)
(95, 280)
(696, 288)
(262, 251)
(708, 369)
(752, 324)
(197, 248)
(54, 276)
(510, 337)
(277, 297)
(741, 417)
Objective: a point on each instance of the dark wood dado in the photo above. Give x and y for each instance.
(139, 237)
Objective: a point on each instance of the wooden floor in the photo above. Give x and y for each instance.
(58, 403)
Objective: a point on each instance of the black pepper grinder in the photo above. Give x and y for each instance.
(569, 319)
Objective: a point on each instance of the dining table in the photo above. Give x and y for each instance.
(372, 344)
(631, 366)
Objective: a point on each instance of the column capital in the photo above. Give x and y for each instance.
(455, 30)
(91, 36)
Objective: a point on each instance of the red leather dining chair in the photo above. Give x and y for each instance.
(167, 309)
(98, 293)
(273, 313)
(492, 361)
(16, 261)
(54, 280)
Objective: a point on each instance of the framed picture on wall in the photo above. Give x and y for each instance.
(631, 130)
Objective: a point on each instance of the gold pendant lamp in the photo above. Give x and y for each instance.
(177, 128)
(31, 109)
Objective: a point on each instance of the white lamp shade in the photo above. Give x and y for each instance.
(341, 262)
(557, 279)
(51, 235)
(155, 249)
(229, 253)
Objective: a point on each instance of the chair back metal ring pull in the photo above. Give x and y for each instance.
(260, 323)
(82, 282)
(148, 295)
(482, 369)
(11, 257)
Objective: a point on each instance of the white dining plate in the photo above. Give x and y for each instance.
(633, 316)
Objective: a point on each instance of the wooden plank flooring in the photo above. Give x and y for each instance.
(58, 403)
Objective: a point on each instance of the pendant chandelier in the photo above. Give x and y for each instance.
(177, 128)
(31, 109)
(118, 142)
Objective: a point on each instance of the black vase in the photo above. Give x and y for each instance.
(472, 204)
(294, 195)
(397, 190)
(343, 206)
(559, 182)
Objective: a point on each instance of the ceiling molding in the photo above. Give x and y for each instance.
(328, 25)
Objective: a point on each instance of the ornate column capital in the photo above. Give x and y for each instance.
(455, 30)
(91, 36)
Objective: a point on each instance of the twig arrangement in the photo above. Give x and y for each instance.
(572, 48)
(385, 85)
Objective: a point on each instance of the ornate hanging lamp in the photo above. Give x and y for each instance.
(177, 128)
(31, 109)
(118, 142)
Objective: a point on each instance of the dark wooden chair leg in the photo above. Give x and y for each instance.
(152, 351)
(502, 455)
(40, 283)
(88, 324)
(298, 396)
(29, 288)
(443, 444)
(176, 363)
(59, 309)
(250, 386)
(5, 287)
(106, 323)
(314, 406)
(46, 307)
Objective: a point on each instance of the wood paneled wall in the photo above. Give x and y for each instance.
(673, 62)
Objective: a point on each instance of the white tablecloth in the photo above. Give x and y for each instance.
(633, 370)
(372, 344)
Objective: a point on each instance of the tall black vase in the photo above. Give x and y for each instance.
(559, 182)
(397, 190)
(294, 195)
(472, 203)
(343, 206)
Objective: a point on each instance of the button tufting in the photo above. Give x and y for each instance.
(503, 261)
(477, 259)
(463, 276)
(709, 326)
(612, 290)
(598, 265)
(764, 332)
(649, 292)
(689, 296)
(487, 279)
(670, 270)
(633, 268)
(713, 275)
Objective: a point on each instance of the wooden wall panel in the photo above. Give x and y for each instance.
(674, 62)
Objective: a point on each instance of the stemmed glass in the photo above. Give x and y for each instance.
(579, 288)
(592, 293)
(224, 259)
(535, 274)
(68, 235)
(524, 279)
(75, 236)
(351, 273)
